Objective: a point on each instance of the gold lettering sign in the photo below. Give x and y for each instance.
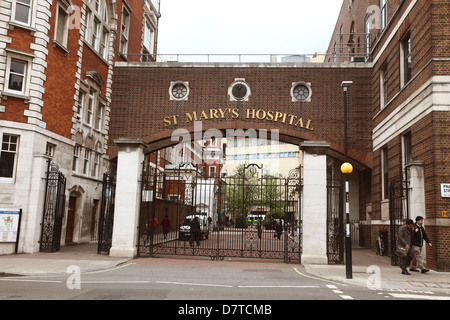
(233, 113)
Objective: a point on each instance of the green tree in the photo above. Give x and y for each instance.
(247, 190)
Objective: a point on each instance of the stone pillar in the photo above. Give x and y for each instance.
(416, 196)
(314, 202)
(416, 189)
(128, 197)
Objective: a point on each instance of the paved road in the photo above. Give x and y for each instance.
(182, 279)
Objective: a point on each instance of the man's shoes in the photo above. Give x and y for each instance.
(425, 270)
(404, 271)
(415, 270)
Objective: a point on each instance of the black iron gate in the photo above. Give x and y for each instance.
(335, 221)
(54, 203)
(247, 215)
(106, 218)
(398, 211)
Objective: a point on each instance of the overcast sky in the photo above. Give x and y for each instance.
(246, 26)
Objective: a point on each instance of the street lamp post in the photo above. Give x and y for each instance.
(347, 168)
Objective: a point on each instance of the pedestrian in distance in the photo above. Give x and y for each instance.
(404, 240)
(195, 232)
(166, 226)
(419, 235)
(259, 228)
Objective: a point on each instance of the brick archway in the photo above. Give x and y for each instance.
(144, 106)
(156, 105)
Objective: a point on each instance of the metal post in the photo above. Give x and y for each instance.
(348, 240)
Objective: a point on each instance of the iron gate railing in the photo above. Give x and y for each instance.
(247, 215)
(398, 211)
(54, 203)
(335, 221)
(106, 217)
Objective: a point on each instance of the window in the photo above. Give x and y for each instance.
(62, 28)
(367, 35)
(124, 31)
(22, 11)
(383, 87)
(76, 156)
(212, 172)
(50, 149)
(104, 44)
(384, 173)
(17, 76)
(80, 103)
(97, 33)
(94, 34)
(90, 107)
(99, 116)
(148, 37)
(95, 164)
(406, 60)
(86, 161)
(383, 17)
(97, 5)
(407, 148)
(8, 156)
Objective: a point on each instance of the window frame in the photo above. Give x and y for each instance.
(124, 30)
(31, 10)
(60, 7)
(383, 14)
(76, 158)
(15, 157)
(385, 173)
(406, 59)
(98, 29)
(27, 59)
(384, 93)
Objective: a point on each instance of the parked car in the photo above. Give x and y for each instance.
(185, 228)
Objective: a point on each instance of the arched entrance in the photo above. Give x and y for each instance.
(159, 105)
(309, 209)
(250, 213)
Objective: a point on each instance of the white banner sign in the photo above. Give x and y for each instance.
(445, 190)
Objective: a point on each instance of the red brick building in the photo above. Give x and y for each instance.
(408, 50)
(56, 73)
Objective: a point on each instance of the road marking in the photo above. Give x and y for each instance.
(301, 287)
(113, 281)
(195, 284)
(418, 296)
(315, 278)
(339, 292)
(30, 280)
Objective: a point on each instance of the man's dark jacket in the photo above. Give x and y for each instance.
(418, 235)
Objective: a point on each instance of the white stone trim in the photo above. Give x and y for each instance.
(433, 95)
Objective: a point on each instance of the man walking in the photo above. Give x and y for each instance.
(418, 236)
(404, 239)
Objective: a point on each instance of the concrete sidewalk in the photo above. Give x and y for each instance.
(376, 272)
(51, 263)
(365, 262)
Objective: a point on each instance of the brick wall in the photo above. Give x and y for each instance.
(141, 101)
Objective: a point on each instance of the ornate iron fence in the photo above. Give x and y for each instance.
(54, 203)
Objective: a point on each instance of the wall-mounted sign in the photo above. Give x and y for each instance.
(9, 224)
(445, 190)
(233, 113)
